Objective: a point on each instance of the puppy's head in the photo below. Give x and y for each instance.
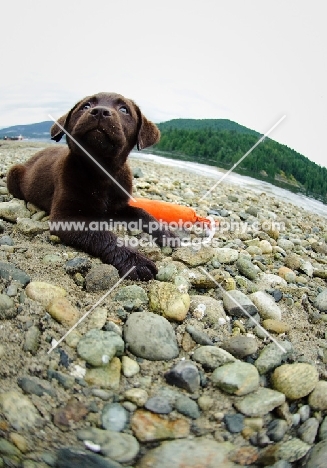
(108, 126)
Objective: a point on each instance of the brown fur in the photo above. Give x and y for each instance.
(68, 185)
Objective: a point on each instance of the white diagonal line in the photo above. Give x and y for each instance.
(243, 310)
(89, 311)
(91, 157)
(243, 157)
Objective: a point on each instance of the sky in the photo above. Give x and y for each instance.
(250, 61)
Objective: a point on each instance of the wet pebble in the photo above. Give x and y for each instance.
(97, 318)
(118, 446)
(194, 256)
(165, 299)
(44, 293)
(36, 386)
(320, 301)
(323, 429)
(272, 356)
(31, 228)
(9, 270)
(295, 380)
(237, 378)
(185, 375)
(7, 307)
(318, 456)
(157, 340)
(148, 427)
(293, 450)
(211, 357)
(276, 430)
(234, 422)
(238, 304)
(276, 326)
(73, 411)
(63, 311)
(267, 307)
(207, 309)
(114, 417)
(19, 411)
(106, 376)
(188, 407)
(158, 404)
(98, 347)
(247, 268)
(308, 430)
(240, 346)
(199, 336)
(139, 396)
(132, 297)
(129, 366)
(318, 398)
(226, 255)
(197, 453)
(77, 265)
(14, 209)
(101, 277)
(260, 402)
(69, 457)
(6, 240)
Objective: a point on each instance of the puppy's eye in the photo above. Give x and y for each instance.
(123, 110)
(87, 106)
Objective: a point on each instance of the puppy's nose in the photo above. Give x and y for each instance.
(100, 112)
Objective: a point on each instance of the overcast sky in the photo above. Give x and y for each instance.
(250, 61)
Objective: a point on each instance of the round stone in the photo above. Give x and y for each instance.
(196, 453)
(318, 398)
(211, 357)
(98, 347)
(240, 346)
(295, 380)
(321, 301)
(114, 417)
(237, 378)
(7, 307)
(63, 311)
(101, 277)
(226, 255)
(157, 340)
(129, 366)
(165, 299)
(43, 292)
(318, 456)
(267, 307)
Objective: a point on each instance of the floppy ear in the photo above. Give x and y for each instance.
(148, 134)
(56, 132)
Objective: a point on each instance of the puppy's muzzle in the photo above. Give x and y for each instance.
(100, 112)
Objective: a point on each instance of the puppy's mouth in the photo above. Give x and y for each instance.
(99, 138)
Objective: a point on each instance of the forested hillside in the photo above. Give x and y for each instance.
(222, 143)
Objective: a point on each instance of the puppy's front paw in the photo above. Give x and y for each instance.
(144, 269)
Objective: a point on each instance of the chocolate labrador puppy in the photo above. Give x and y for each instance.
(73, 187)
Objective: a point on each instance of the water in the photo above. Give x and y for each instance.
(309, 204)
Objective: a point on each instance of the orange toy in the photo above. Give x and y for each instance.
(170, 212)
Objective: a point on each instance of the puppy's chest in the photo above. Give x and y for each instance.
(108, 201)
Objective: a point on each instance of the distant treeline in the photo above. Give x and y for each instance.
(222, 143)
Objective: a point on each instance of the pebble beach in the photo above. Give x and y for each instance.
(218, 362)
